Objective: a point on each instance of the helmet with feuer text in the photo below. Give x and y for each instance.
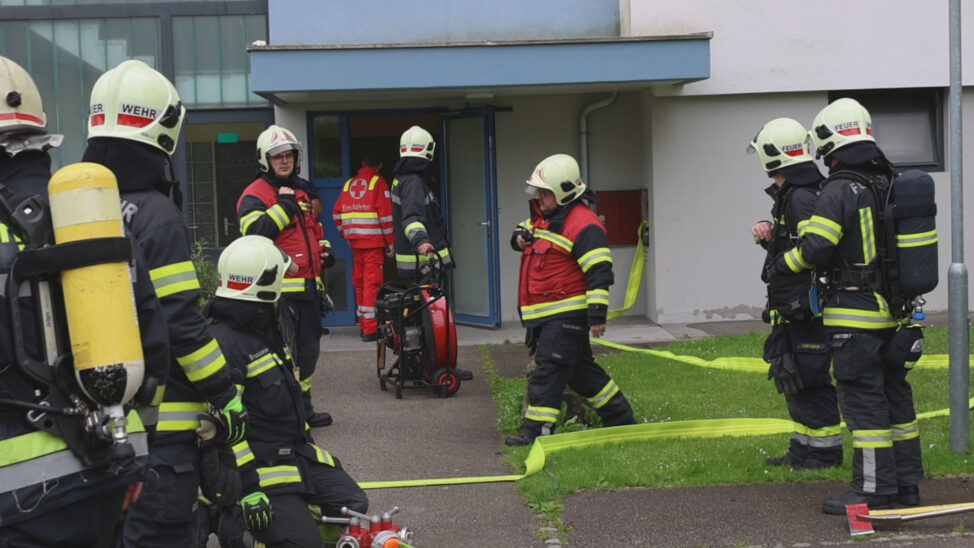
(782, 142)
(843, 122)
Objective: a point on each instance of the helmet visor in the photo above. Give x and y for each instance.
(282, 148)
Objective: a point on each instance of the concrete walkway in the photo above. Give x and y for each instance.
(421, 436)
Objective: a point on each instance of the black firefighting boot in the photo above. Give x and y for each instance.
(819, 458)
(617, 411)
(796, 454)
(908, 495)
(836, 505)
(315, 419)
(530, 430)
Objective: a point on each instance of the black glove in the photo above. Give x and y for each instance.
(785, 373)
(219, 479)
(257, 511)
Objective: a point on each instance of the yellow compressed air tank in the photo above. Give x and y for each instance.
(98, 299)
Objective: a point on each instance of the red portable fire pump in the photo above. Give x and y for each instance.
(416, 322)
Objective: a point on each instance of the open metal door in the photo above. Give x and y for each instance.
(470, 198)
(329, 161)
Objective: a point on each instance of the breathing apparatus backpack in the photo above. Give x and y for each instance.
(907, 237)
(75, 259)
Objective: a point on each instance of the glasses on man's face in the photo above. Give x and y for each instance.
(283, 157)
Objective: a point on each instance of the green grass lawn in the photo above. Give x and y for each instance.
(663, 390)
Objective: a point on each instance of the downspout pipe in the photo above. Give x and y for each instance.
(583, 132)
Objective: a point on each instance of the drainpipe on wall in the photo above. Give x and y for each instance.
(583, 131)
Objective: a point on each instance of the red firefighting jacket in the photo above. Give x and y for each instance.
(289, 221)
(567, 269)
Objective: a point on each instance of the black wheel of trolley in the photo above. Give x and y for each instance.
(398, 389)
(382, 382)
(446, 382)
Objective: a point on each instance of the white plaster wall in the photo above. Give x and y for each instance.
(708, 192)
(771, 46)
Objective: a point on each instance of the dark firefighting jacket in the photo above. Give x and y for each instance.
(270, 460)
(567, 269)
(788, 294)
(199, 374)
(417, 218)
(363, 211)
(840, 239)
(288, 220)
(38, 471)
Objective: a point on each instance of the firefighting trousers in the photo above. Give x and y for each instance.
(877, 402)
(87, 523)
(367, 277)
(328, 487)
(300, 319)
(815, 407)
(564, 358)
(163, 516)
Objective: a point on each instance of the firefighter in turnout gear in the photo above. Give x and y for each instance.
(363, 215)
(797, 347)
(418, 226)
(133, 127)
(276, 206)
(282, 470)
(563, 295)
(841, 238)
(56, 487)
(420, 231)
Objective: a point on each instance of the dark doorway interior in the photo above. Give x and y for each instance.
(381, 132)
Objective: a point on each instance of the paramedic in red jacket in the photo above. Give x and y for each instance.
(363, 215)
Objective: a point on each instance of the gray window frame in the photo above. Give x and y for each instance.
(931, 100)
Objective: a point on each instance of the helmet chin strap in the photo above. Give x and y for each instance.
(169, 185)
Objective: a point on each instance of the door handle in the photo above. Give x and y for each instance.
(484, 223)
(226, 226)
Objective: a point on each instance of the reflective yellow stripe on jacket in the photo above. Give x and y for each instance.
(292, 285)
(178, 416)
(205, 361)
(542, 310)
(278, 475)
(39, 456)
(323, 456)
(173, 278)
(276, 213)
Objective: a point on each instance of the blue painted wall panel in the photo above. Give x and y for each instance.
(471, 66)
(327, 22)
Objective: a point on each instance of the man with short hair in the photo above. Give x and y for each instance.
(363, 216)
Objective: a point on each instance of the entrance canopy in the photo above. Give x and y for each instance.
(477, 71)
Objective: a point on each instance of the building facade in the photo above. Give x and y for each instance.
(199, 45)
(656, 98)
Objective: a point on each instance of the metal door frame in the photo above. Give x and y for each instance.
(486, 113)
